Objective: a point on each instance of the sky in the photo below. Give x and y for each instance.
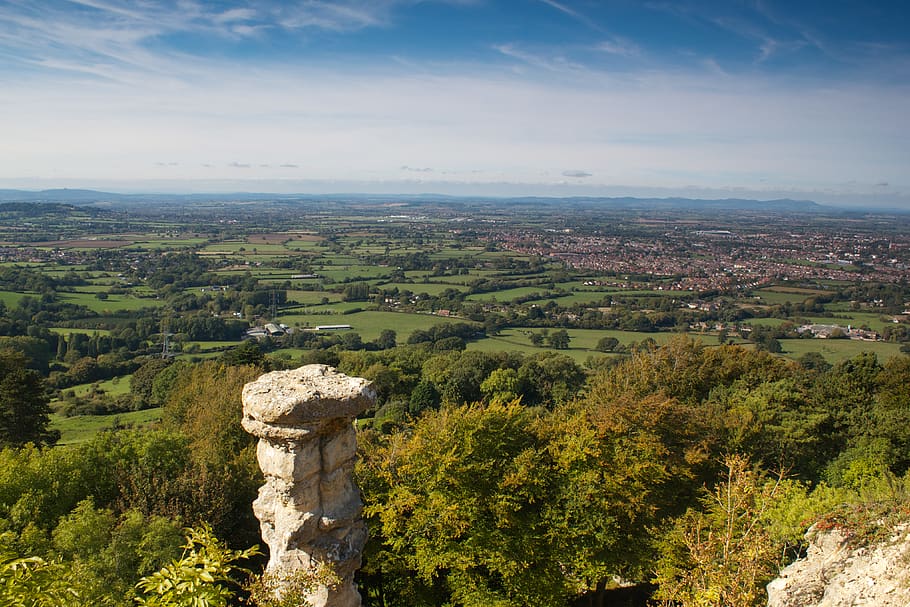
(705, 99)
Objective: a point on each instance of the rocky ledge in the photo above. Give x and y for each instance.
(837, 573)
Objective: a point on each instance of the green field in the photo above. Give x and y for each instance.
(578, 297)
(113, 303)
(114, 387)
(581, 345)
(430, 288)
(781, 295)
(312, 297)
(10, 298)
(835, 350)
(208, 346)
(81, 428)
(508, 294)
(369, 324)
(872, 320)
(302, 244)
(773, 298)
(69, 331)
(353, 272)
(474, 274)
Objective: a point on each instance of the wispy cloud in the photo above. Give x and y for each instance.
(619, 46)
(235, 14)
(135, 96)
(572, 13)
(335, 16)
(558, 63)
(562, 8)
(768, 45)
(109, 38)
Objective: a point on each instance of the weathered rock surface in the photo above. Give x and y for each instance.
(309, 508)
(834, 574)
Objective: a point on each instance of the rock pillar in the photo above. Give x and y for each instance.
(309, 508)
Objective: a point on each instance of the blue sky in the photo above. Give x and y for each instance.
(757, 98)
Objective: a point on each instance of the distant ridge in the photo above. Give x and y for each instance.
(80, 196)
(57, 195)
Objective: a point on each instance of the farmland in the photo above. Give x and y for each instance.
(111, 284)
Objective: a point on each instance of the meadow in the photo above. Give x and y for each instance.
(74, 430)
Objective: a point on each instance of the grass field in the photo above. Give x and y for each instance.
(578, 297)
(773, 298)
(312, 297)
(474, 274)
(353, 272)
(209, 346)
(69, 331)
(430, 288)
(10, 298)
(843, 318)
(111, 304)
(74, 430)
(508, 294)
(835, 350)
(369, 324)
(114, 387)
(871, 319)
(581, 345)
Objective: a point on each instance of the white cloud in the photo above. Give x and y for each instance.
(126, 107)
(235, 14)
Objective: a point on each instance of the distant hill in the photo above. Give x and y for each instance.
(59, 195)
(84, 197)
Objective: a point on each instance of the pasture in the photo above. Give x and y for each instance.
(75, 430)
(369, 324)
(836, 350)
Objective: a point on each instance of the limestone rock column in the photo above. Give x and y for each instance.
(309, 508)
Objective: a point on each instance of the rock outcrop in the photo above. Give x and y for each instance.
(309, 508)
(837, 574)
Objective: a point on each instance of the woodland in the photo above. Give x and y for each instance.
(546, 433)
(488, 478)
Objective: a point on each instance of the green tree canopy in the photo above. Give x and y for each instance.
(24, 409)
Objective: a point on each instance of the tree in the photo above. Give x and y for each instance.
(201, 578)
(457, 501)
(386, 339)
(351, 340)
(423, 396)
(142, 381)
(501, 385)
(607, 344)
(723, 554)
(247, 353)
(24, 410)
(559, 340)
(814, 361)
(32, 581)
(205, 406)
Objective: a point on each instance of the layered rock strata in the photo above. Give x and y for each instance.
(309, 508)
